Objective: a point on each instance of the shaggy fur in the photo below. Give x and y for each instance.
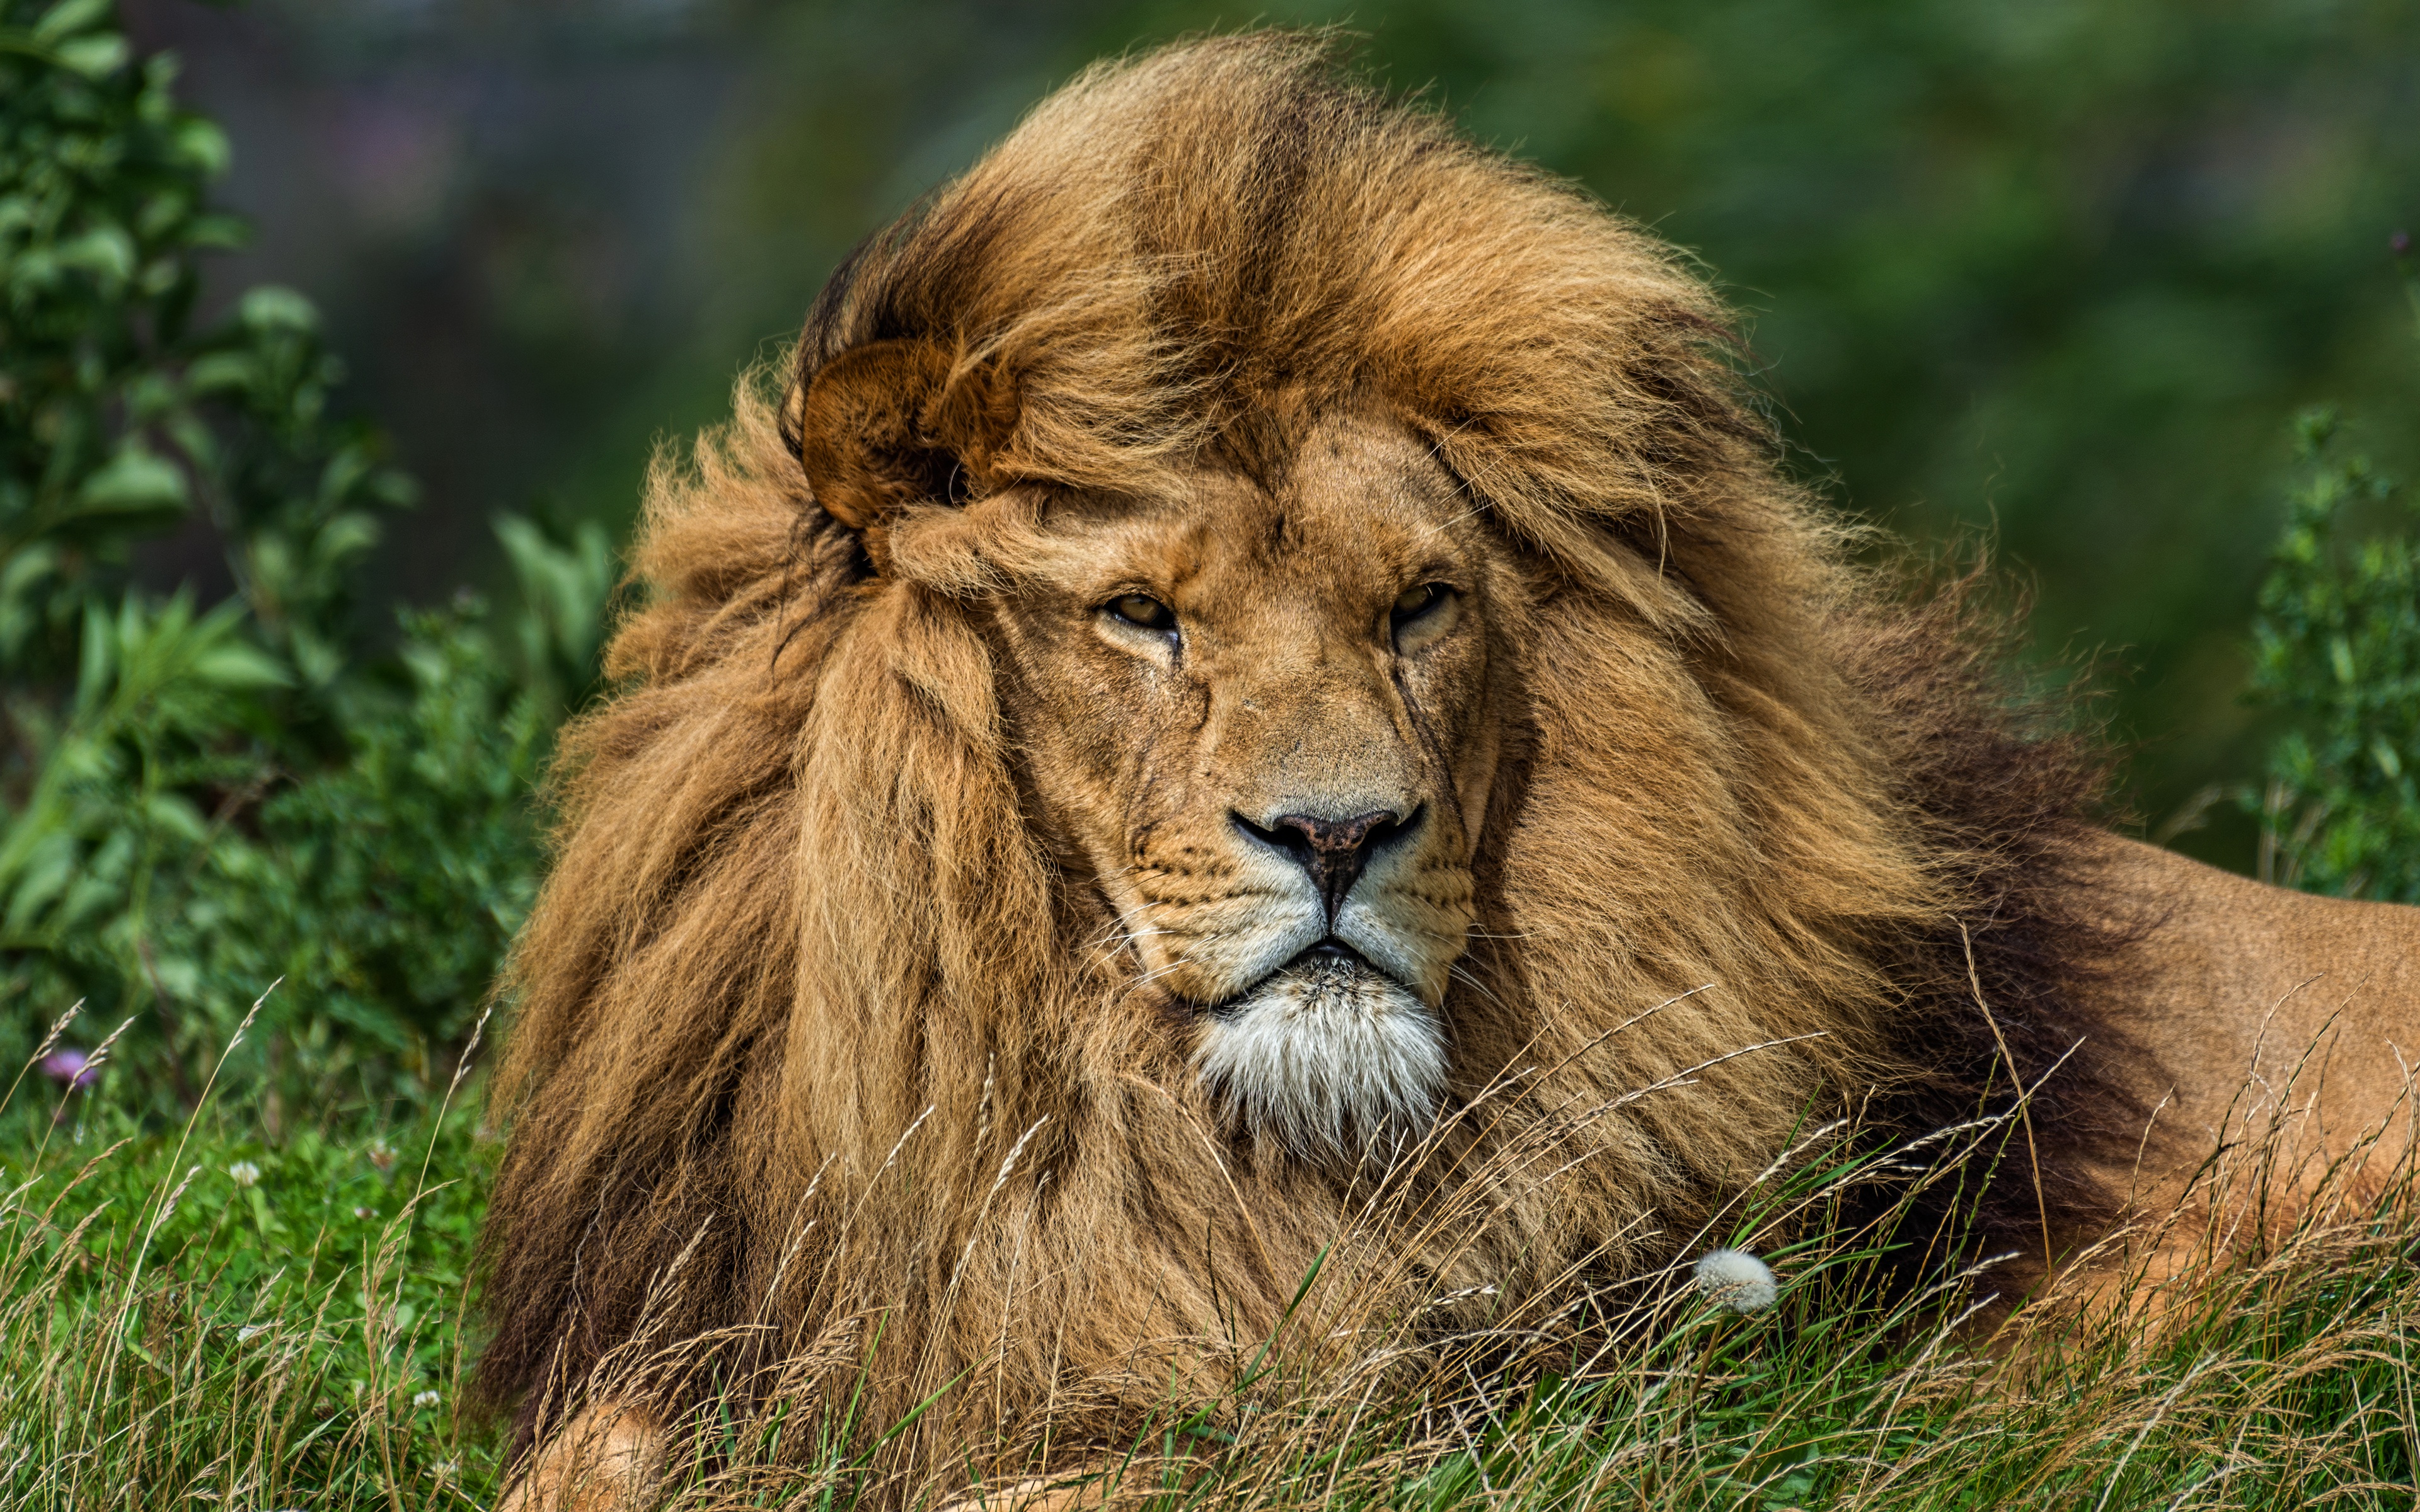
(812, 1046)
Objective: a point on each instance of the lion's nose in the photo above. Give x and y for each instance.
(1332, 850)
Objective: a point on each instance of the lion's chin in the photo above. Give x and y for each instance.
(1328, 1057)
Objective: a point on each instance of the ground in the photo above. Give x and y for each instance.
(265, 1309)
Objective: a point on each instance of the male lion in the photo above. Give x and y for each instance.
(1258, 694)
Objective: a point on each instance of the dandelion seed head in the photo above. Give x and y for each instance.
(1737, 1280)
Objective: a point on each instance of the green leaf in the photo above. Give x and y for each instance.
(68, 18)
(200, 143)
(106, 250)
(216, 231)
(237, 665)
(221, 372)
(271, 307)
(93, 57)
(135, 480)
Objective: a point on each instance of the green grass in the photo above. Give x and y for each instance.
(176, 1332)
(252, 1311)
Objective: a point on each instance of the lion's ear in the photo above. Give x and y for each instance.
(866, 433)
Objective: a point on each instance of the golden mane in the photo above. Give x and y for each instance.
(814, 1043)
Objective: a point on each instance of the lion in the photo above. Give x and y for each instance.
(1255, 701)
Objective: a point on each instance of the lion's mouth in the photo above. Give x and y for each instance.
(1330, 963)
(1330, 954)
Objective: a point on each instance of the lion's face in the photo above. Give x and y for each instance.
(1261, 718)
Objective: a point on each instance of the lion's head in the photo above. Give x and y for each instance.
(1261, 717)
(1255, 692)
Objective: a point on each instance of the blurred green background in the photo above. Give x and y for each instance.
(2051, 269)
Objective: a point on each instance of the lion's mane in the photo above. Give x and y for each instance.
(815, 1046)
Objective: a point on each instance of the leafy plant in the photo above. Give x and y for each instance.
(196, 802)
(2336, 650)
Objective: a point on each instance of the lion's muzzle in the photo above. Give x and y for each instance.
(1330, 1036)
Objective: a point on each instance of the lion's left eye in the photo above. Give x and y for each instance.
(1143, 613)
(1417, 600)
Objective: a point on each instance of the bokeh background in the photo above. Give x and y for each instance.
(2053, 272)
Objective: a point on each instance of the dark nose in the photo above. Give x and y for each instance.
(1333, 851)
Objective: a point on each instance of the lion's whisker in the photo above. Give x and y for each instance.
(1154, 975)
(1456, 971)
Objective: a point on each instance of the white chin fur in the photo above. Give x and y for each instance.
(1325, 1057)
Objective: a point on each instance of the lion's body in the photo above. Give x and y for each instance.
(921, 995)
(2279, 1024)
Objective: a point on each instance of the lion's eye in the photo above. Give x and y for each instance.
(1417, 600)
(1144, 613)
(1421, 616)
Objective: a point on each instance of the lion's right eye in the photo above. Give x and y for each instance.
(1144, 613)
(1417, 600)
(1422, 615)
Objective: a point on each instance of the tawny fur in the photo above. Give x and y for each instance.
(814, 1044)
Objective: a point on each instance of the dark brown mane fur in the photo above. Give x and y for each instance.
(811, 1047)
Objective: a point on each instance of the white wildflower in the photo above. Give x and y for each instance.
(1736, 1279)
(245, 1172)
(425, 1398)
(246, 1333)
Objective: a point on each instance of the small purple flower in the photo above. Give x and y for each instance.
(2400, 244)
(70, 1068)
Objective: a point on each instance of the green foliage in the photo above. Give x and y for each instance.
(200, 802)
(118, 418)
(2337, 649)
